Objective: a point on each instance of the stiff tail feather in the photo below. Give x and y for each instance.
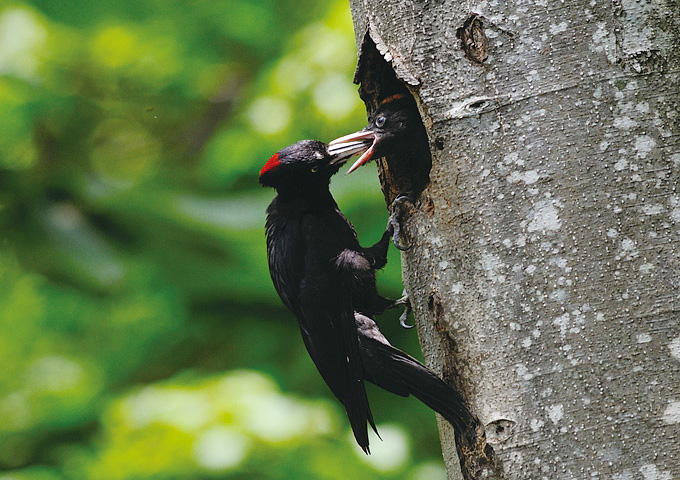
(359, 412)
(427, 387)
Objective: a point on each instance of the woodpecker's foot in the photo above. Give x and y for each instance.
(394, 222)
(404, 300)
(403, 318)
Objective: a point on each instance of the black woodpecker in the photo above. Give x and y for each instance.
(327, 280)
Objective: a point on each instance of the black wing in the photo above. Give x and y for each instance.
(328, 328)
(285, 251)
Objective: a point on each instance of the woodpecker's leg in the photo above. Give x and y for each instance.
(394, 222)
(404, 300)
(377, 254)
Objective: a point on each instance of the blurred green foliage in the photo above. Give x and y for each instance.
(141, 335)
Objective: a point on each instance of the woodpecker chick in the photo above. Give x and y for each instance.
(395, 130)
(395, 127)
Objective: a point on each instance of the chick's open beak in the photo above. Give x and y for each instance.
(362, 142)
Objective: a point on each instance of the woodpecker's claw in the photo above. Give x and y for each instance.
(404, 300)
(394, 221)
(404, 317)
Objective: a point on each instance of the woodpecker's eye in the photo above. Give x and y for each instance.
(315, 169)
(380, 121)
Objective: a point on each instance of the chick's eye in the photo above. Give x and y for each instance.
(314, 169)
(380, 121)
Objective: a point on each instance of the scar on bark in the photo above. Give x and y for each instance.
(473, 40)
(476, 456)
(403, 172)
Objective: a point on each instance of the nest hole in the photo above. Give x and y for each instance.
(406, 171)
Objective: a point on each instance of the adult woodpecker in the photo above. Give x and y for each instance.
(327, 280)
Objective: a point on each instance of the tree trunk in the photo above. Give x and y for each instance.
(545, 268)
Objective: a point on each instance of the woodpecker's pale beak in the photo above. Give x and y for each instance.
(345, 150)
(362, 142)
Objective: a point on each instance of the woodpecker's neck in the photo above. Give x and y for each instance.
(309, 192)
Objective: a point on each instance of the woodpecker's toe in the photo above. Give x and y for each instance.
(407, 310)
(397, 209)
(404, 300)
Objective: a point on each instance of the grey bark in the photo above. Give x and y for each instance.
(545, 272)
